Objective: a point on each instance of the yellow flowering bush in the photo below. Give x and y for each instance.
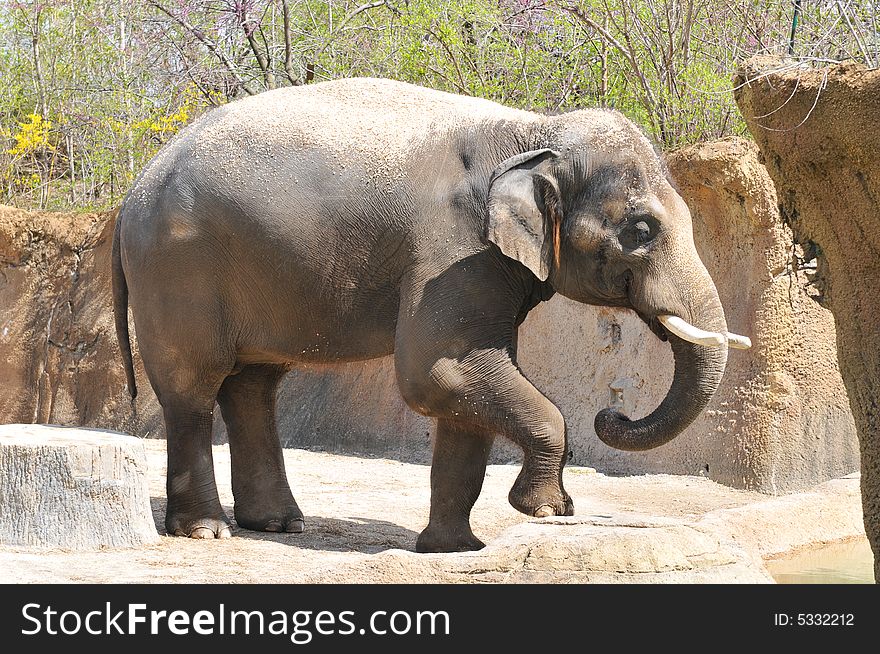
(169, 124)
(32, 136)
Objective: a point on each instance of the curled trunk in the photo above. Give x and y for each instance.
(698, 372)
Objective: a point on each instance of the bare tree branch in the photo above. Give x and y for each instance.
(462, 86)
(288, 54)
(208, 43)
(35, 50)
(649, 98)
(338, 30)
(249, 28)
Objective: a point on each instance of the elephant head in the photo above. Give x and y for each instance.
(594, 215)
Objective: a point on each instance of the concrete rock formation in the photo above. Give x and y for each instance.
(819, 132)
(779, 422)
(607, 549)
(58, 351)
(78, 489)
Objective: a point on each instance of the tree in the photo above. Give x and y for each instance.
(93, 88)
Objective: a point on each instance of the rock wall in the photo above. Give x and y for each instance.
(780, 421)
(819, 132)
(59, 361)
(782, 415)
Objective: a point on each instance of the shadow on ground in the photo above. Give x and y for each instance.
(350, 534)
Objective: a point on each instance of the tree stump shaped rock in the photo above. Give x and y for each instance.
(73, 488)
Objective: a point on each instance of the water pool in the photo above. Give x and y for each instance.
(845, 562)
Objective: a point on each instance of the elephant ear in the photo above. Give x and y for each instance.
(524, 212)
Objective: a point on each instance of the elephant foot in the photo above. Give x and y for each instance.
(279, 516)
(201, 527)
(541, 501)
(291, 524)
(436, 539)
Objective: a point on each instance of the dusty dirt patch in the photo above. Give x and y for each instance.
(361, 512)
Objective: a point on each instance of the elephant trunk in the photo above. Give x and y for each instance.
(698, 372)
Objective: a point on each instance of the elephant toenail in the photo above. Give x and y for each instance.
(202, 532)
(226, 532)
(273, 525)
(544, 511)
(296, 526)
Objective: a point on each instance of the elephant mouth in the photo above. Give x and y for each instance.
(655, 326)
(699, 356)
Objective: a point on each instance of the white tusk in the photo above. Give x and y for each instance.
(688, 332)
(738, 342)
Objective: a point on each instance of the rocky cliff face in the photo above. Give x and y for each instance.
(59, 361)
(782, 415)
(819, 133)
(779, 422)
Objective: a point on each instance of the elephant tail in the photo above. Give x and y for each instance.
(120, 308)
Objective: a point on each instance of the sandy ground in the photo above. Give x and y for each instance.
(356, 507)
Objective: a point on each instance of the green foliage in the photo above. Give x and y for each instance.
(91, 89)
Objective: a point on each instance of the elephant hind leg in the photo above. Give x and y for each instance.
(457, 472)
(186, 372)
(194, 508)
(263, 500)
(187, 396)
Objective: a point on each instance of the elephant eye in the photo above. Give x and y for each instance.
(642, 231)
(637, 234)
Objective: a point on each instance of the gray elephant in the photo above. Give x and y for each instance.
(353, 219)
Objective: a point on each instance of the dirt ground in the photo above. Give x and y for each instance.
(358, 507)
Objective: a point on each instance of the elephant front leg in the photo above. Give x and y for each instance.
(457, 471)
(486, 391)
(453, 357)
(534, 423)
(263, 500)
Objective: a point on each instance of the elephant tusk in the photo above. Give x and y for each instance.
(738, 342)
(688, 332)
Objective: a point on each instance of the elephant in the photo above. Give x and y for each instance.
(358, 218)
